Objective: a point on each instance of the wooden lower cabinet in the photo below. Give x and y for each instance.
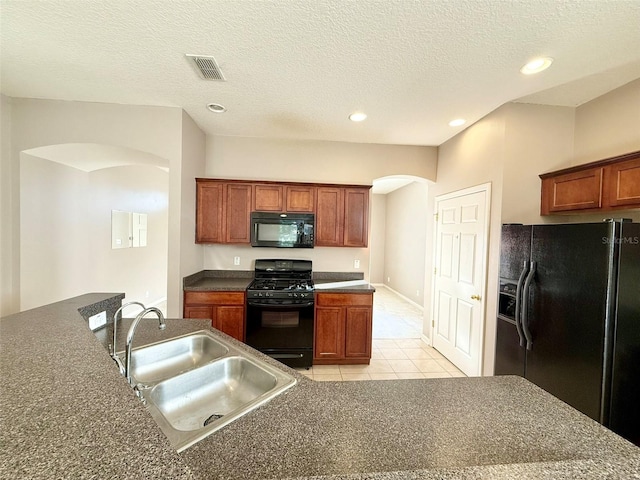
(343, 325)
(225, 309)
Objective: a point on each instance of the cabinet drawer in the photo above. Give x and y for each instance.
(214, 298)
(344, 299)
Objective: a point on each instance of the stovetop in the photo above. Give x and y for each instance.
(282, 279)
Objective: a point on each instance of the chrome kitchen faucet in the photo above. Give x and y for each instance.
(162, 325)
(114, 355)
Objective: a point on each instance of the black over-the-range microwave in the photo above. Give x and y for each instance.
(288, 230)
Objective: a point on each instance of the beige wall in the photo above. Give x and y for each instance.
(377, 238)
(9, 263)
(315, 161)
(54, 236)
(141, 273)
(152, 130)
(407, 219)
(474, 157)
(65, 227)
(608, 125)
(183, 204)
(514, 144)
(308, 161)
(537, 139)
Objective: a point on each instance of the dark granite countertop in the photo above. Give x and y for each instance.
(218, 280)
(67, 412)
(238, 280)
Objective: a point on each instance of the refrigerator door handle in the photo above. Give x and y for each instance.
(523, 274)
(525, 306)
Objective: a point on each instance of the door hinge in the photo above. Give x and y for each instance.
(435, 271)
(433, 324)
(436, 216)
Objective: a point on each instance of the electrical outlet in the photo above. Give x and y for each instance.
(98, 320)
(146, 294)
(236, 260)
(356, 264)
(388, 279)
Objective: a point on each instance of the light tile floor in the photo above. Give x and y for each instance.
(398, 351)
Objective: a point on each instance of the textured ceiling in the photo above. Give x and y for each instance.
(296, 69)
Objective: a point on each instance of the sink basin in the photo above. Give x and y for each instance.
(189, 401)
(166, 359)
(192, 405)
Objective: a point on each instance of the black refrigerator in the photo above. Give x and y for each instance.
(569, 316)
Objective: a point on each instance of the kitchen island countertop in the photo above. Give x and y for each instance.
(67, 412)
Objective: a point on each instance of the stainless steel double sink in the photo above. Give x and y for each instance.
(197, 383)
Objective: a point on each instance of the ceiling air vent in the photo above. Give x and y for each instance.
(206, 67)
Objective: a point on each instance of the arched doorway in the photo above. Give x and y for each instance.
(67, 194)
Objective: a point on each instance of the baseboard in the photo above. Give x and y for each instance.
(426, 340)
(405, 298)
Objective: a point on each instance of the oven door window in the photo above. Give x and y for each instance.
(280, 319)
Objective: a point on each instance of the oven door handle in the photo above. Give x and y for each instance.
(253, 303)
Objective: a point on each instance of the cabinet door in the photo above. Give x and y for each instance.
(572, 191)
(238, 212)
(230, 320)
(300, 199)
(356, 216)
(198, 312)
(329, 216)
(329, 333)
(209, 212)
(358, 332)
(268, 198)
(622, 184)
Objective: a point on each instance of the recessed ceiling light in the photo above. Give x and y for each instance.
(357, 116)
(537, 65)
(216, 108)
(457, 122)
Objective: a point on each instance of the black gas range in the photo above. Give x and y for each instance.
(280, 310)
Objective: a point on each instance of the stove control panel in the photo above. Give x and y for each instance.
(276, 294)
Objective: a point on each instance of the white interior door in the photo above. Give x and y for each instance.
(460, 273)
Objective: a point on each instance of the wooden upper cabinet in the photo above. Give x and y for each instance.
(268, 198)
(300, 198)
(573, 191)
(238, 212)
(329, 217)
(223, 209)
(356, 217)
(342, 216)
(610, 184)
(622, 183)
(209, 212)
(284, 198)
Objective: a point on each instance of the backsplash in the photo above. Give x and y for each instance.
(325, 259)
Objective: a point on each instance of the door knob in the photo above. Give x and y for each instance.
(476, 297)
